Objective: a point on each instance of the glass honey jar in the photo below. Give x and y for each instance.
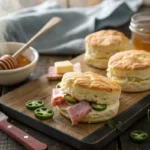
(140, 27)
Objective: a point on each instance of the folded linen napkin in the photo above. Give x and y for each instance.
(67, 38)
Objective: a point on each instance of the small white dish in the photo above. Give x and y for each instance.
(14, 76)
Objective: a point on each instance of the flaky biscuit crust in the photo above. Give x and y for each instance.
(130, 60)
(90, 80)
(91, 87)
(109, 39)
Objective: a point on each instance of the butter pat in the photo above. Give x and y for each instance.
(63, 66)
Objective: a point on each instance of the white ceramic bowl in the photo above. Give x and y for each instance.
(10, 77)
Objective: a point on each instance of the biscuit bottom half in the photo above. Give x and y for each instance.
(100, 63)
(95, 116)
(131, 84)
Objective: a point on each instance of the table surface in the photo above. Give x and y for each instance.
(121, 143)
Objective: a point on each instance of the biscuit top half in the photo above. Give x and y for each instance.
(89, 80)
(130, 60)
(106, 38)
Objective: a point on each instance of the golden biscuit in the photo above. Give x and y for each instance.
(130, 69)
(101, 45)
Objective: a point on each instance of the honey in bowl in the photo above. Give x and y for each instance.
(140, 27)
(22, 61)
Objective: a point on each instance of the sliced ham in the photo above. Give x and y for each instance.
(54, 76)
(57, 97)
(77, 67)
(78, 111)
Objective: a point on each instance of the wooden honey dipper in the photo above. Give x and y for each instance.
(10, 62)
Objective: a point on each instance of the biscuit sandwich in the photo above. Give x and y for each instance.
(131, 70)
(86, 97)
(101, 45)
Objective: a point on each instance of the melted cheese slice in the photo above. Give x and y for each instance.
(63, 66)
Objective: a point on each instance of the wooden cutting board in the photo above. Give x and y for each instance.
(132, 107)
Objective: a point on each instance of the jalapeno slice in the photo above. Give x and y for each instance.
(43, 113)
(34, 104)
(58, 85)
(98, 107)
(70, 99)
(138, 136)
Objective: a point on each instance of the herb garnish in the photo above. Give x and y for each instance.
(113, 125)
(118, 126)
(110, 124)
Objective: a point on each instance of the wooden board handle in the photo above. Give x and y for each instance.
(20, 136)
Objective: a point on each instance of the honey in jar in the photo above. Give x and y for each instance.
(140, 27)
(22, 61)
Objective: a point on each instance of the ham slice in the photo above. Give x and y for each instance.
(57, 97)
(54, 76)
(78, 111)
(77, 67)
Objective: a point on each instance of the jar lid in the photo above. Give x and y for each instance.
(140, 23)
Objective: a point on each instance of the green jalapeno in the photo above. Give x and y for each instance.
(70, 99)
(58, 85)
(98, 107)
(138, 136)
(43, 113)
(34, 104)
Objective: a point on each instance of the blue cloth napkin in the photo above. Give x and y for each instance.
(67, 38)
